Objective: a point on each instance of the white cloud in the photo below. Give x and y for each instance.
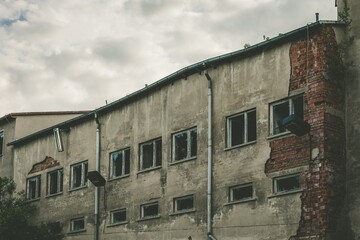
(72, 55)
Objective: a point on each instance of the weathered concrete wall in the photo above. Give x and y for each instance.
(6, 160)
(352, 120)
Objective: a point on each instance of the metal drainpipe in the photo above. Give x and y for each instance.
(97, 189)
(209, 174)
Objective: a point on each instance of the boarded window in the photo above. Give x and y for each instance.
(241, 128)
(120, 163)
(150, 154)
(185, 145)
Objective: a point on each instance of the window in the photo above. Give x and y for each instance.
(55, 182)
(282, 109)
(241, 192)
(150, 210)
(183, 204)
(119, 163)
(1, 142)
(241, 128)
(78, 175)
(150, 154)
(33, 186)
(185, 144)
(118, 216)
(77, 224)
(287, 183)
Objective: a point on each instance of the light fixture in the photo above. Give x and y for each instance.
(96, 178)
(296, 125)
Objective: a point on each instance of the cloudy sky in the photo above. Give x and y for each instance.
(75, 54)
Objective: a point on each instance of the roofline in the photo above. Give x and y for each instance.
(182, 73)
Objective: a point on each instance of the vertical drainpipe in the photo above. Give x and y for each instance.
(209, 173)
(97, 189)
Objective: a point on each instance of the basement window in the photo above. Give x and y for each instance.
(78, 175)
(150, 154)
(55, 182)
(118, 216)
(282, 109)
(150, 210)
(241, 128)
(33, 186)
(185, 145)
(184, 204)
(119, 163)
(286, 183)
(77, 224)
(241, 192)
(1, 142)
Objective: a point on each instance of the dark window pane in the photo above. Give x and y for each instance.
(241, 193)
(251, 117)
(193, 137)
(53, 184)
(1, 142)
(32, 189)
(147, 155)
(150, 210)
(117, 164)
(298, 103)
(77, 176)
(61, 180)
(158, 152)
(288, 184)
(119, 216)
(78, 224)
(181, 144)
(237, 126)
(185, 203)
(127, 161)
(280, 111)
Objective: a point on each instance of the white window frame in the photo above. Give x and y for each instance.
(117, 211)
(189, 147)
(72, 224)
(142, 210)
(276, 179)
(2, 135)
(231, 192)
(112, 169)
(153, 142)
(60, 187)
(177, 199)
(37, 180)
(290, 100)
(83, 175)
(246, 128)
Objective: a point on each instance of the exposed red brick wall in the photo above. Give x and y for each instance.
(324, 182)
(48, 162)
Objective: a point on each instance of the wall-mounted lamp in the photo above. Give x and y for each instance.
(296, 125)
(96, 178)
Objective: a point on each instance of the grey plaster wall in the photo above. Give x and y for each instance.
(237, 86)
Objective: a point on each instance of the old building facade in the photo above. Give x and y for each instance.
(254, 144)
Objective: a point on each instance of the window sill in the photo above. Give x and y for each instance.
(183, 160)
(33, 200)
(241, 201)
(285, 193)
(148, 218)
(240, 145)
(78, 188)
(182, 212)
(78, 231)
(117, 224)
(279, 135)
(119, 177)
(149, 169)
(53, 195)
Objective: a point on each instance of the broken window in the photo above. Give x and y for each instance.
(185, 203)
(120, 163)
(185, 144)
(77, 224)
(282, 109)
(33, 186)
(55, 182)
(241, 192)
(149, 210)
(287, 183)
(78, 175)
(1, 142)
(118, 216)
(241, 128)
(150, 154)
